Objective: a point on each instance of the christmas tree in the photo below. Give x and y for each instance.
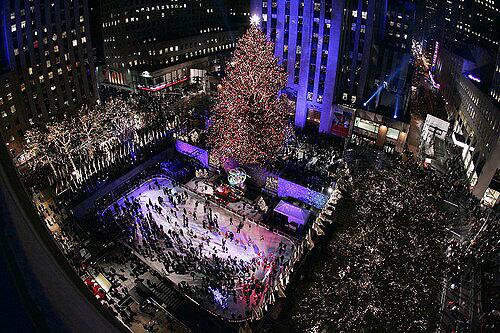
(250, 118)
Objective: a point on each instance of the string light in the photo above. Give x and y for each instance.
(250, 119)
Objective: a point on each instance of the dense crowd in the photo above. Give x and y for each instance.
(387, 264)
(307, 159)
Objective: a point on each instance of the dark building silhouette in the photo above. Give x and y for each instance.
(47, 61)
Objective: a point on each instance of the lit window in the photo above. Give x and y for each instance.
(392, 133)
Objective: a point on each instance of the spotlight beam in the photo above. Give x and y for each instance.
(385, 84)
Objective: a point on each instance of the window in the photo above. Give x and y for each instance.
(367, 125)
(392, 133)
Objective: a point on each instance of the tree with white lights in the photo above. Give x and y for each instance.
(62, 137)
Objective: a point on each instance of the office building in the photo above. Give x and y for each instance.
(339, 53)
(471, 22)
(152, 45)
(428, 25)
(47, 63)
(469, 81)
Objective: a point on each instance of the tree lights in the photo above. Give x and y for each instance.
(77, 147)
(250, 118)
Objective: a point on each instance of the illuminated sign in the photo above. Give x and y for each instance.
(163, 85)
(474, 78)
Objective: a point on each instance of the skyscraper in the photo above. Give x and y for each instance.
(339, 53)
(430, 14)
(468, 70)
(471, 22)
(48, 63)
(469, 83)
(154, 44)
(307, 35)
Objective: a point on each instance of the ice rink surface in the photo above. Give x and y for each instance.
(254, 245)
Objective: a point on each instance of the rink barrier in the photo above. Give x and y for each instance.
(278, 286)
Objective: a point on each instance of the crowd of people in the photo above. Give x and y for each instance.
(124, 272)
(387, 263)
(307, 159)
(385, 266)
(190, 239)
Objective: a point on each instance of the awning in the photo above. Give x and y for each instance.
(103, 282)
(294, 213)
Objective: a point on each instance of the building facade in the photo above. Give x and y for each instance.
(338, 53)
(429, 16)
(152, 45)
(469, 83)
(471, 22)
(47, 63)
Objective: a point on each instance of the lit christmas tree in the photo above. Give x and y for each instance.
(250, 120)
